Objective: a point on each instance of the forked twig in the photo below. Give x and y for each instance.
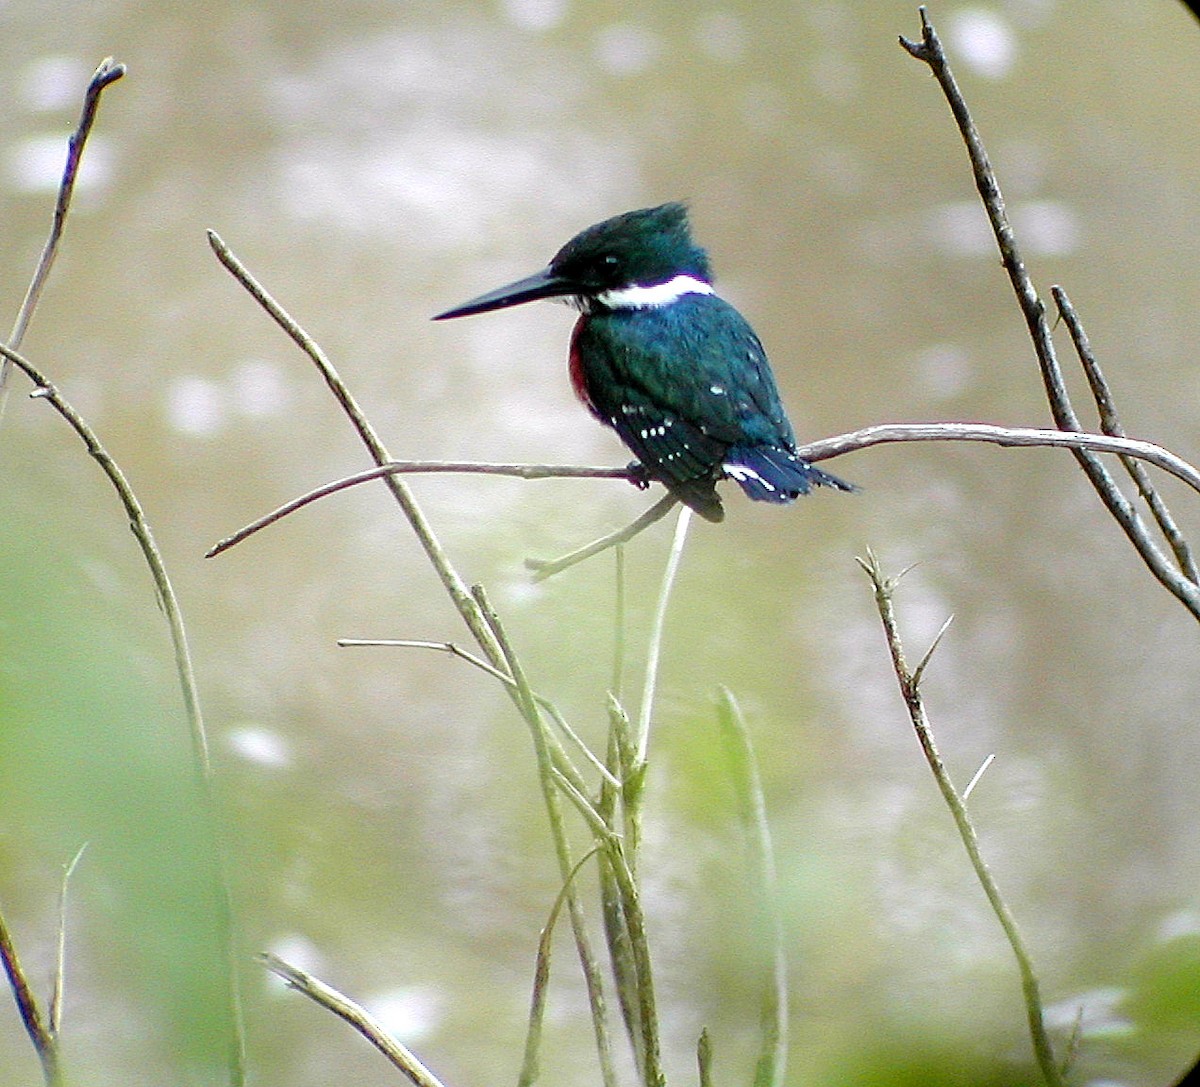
(484, 627)
(884, 588)
(823, 449)
(1110, 423)
(1182, 585)
(108, 72)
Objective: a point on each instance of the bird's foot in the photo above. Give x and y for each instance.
(638, 475)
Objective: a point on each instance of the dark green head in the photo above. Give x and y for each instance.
(606, 264)
(640, 248)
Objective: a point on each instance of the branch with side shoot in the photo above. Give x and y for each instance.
(825, 449)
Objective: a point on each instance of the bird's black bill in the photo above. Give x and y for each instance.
(543, 284)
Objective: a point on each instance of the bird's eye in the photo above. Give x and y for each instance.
(610, 260)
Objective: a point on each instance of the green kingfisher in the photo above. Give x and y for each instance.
(675, 370)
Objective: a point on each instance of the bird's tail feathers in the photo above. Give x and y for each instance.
(772, 474)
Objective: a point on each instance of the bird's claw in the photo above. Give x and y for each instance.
(638, 475)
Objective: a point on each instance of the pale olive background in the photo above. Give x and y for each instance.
(377, 162)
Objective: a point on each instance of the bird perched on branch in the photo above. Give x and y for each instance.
(675, 370)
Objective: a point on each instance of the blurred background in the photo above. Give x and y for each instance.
(376, 162)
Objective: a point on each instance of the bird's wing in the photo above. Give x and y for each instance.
(682, 386)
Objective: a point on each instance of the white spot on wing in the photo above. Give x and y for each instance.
(741, 472)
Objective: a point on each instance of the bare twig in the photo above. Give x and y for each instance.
(544, 703)
(530, 1064)
(484, 627)
(824, 449)
(654, 649)
(60, 963)
(704, 1058)
(40, 1031)
(930, 51)
(357, 1016)
(549, 778)
(909, 688)
(106, 74)
(201, 763)
(1012, 437)
(414, 467)
(1110, 423)
(43, 1033)
(544, 568)
(966, 793)
(621, 787)
(452, 648)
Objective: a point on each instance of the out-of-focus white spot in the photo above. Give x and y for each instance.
(535, 14)
(364, 146)
(53, 83)
(626, 49)
(960, 228)
(944, 370)
(1096, 1012)
(1183, 923)
(260, 745)
(1043, 228)
(1023, 163)
(722, 36)
(195, 405)
(437, 181)
(298, 951)
(259, 390)
(408, 1013)
(36, 165)
(984, 41)
(1046, 227)
(835, 77)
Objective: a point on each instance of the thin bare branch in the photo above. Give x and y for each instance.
(544, 568)
(1110, 423)
(36, 1025)
(966, 793)
(104, 76)
(201, 763)
(929, 50)
(919, 671)
(910, 690)
(823, 449)
(60, 963)
(704, 1057)
(415, 467)
(530, 1065)
(452, 648)
(1012, 437)
(654, 649)
(357, 1016)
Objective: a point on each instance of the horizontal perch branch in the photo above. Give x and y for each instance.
(824, 449)
(1002, 435)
